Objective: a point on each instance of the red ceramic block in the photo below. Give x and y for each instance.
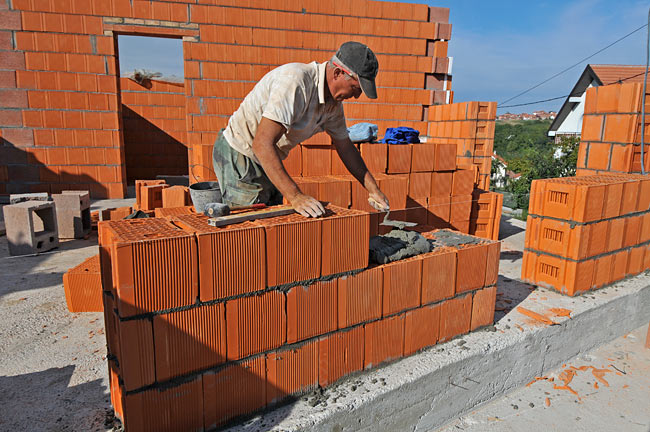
(420, 184)
(492, 266)
(340, 354)
(178, 407)
(438, 275)
(360, 297)
(455, 317)
(619, 265)
(463, 182)
(461, 208)
(149, 264)
(439, 211)
(599, 155)
(471, 270)
(441, 183)
(630, 197)
(223, 253)
(602, 271)
(139, 184)
(293, 162)
(136, 353)
(572, 201)
(151, 197)
(399, 159)
(171, 212)
(316, 160)
(383, 341)
(635, 261)
(293, 248)
(255, 324)
(483, 305)
(632, 231)
(334, 190)
(423, 157)
(375, 156)
(83, 287)
(402, 285)
(233, 391)
(445, 157)
(421, 328)
(395, 187)
(291, 371)
(311, 310)
(176, 196)
(567, 277)
(344, 230)
(189, 340)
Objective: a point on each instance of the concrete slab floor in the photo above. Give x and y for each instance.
(617, 400)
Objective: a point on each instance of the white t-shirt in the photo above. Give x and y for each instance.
(293, 95)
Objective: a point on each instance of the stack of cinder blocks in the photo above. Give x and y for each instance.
(206, 324)
(611, 130)
(587, 232)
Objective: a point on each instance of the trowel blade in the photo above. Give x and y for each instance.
(396, 224)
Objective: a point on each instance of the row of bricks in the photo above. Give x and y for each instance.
(613, 98)
(215, 397)
(590, 198)
(619, 128)
(200, 258)
(253, 72)
(70, 100)
(276, 56)
(249, 36)
(154, 86)
(579, 242)
(102, 190)
(57, 157)
(61, 62)
(574, 277)
(64, 43)
(239, 90)
(68, 81)
(317, 362)
(482, 129)
(54, 119)
(246, 326)
(162, 105)
(610, 157)
(59, 22)
(73, 173)
(461, 111)
(259, 14)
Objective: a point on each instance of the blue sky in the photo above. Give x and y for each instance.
(500, 48)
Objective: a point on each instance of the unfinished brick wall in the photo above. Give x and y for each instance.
(239, 322)
(60, 102)
(154, 124)
(586, 232)
(611, 130)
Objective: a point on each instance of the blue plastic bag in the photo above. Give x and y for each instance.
(363, 132)
(401, 135)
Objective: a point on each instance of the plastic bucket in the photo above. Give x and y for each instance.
(203, 193)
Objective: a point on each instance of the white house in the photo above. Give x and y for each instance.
(569, 118)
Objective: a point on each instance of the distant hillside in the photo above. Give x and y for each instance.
(518, 138)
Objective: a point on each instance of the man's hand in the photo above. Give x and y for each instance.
(378, 200)
(306, 205)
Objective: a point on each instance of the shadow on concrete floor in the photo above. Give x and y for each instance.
(510, 293)
(47, 402)
(507, 228)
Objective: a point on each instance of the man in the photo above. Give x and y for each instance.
(289, 105)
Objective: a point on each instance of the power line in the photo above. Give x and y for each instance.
(572, 66)
(619, 81)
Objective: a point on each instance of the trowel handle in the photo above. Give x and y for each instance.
(249, 207)
(376, 205)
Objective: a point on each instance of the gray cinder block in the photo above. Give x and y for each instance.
(72, 214)
(31, 227)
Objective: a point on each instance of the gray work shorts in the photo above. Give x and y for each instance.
(241, 179)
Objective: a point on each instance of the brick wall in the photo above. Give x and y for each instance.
(586, 232)
(611, 130)
(206, 342)
(59, 95)
(154, 129)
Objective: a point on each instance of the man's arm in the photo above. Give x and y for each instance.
(354, 163)
(267, 135)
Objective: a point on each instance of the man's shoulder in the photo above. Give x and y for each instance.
(304, 71)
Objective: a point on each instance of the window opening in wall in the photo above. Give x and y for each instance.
(153, 106)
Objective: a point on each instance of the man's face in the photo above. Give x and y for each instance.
(346, 86)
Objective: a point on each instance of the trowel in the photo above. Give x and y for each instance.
(400, 225)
